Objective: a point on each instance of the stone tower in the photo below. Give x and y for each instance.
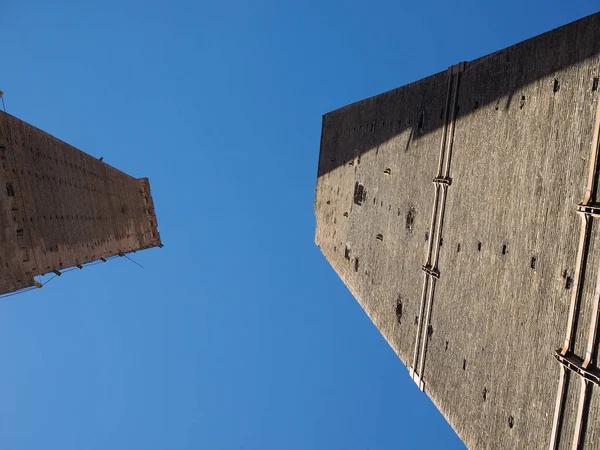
(63, 208)
(462, 212)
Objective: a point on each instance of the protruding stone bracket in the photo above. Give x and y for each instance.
(442, 180)
(432, 271)
(592, 210)
(577, 365)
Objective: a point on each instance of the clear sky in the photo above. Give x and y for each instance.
(237, 334)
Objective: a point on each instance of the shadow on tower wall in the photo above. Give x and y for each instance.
(494, 81)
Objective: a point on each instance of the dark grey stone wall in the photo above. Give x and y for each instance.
(521, 152)
(62, 207)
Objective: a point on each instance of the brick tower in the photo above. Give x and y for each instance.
(63, 208)
(486, 281)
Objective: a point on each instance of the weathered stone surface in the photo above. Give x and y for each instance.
(521, 152)
(63, 207)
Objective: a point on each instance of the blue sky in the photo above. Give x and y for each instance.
(237, 334)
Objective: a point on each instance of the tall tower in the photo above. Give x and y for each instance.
(63, 208)
(462, 211)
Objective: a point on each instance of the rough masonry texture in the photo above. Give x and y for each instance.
(461, 211)
(63, 208)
